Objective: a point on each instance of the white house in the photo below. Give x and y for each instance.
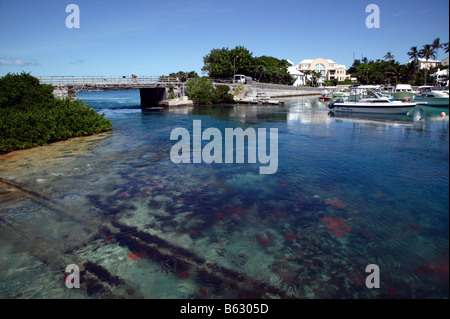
(442, 77)
(328, 68)
(424, 64)
(296, 74)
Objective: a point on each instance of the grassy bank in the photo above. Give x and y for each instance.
(31, 116)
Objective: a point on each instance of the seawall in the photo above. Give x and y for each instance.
(275, 90)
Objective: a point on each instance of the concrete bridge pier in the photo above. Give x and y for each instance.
(150, 97)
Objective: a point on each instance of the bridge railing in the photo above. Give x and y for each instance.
(80, 80)
(98, 80)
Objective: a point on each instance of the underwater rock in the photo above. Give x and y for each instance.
(133, 256)
(337, 203)
(337, 226)
(290, 237)
(182, 274)
(436, 268)
(263, 240)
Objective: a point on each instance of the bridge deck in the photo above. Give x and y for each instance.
(105, 80)
(99, 80)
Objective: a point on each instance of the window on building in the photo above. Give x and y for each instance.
(320, 67)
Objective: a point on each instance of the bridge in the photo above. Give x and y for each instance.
(154, 89)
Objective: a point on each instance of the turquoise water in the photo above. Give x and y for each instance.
(349, 191)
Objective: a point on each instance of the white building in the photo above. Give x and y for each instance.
(328, 68)
(442, 77)
(424, 64)
(298, 76)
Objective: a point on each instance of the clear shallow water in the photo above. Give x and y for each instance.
(350, 191)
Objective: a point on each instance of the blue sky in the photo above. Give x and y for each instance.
(118, 38)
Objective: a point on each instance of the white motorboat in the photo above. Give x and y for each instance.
(403, 92)
(433, 100)
(374, 103)
(341, 94)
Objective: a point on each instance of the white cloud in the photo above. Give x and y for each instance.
(77, 61)
(18, 62)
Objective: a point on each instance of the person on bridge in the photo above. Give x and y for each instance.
(134, 77)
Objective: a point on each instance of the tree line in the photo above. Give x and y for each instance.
(390, 71)
(31, 116)
(225, 63)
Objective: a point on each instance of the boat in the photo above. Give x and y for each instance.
(358, 92)
(341, 94)
(260, 98)
(433, 100)
(403, 92)
(372, 102)
(325, 95)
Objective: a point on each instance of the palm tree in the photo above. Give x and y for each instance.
(445, 47)
(412, 68)
(413, 53)
(396, 72)
(307, 74)
(414, 65)
(437, 45)
(427, 52)
(316, 76)
(388, 56)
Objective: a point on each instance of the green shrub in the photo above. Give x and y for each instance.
(31, 116)
(202, 91)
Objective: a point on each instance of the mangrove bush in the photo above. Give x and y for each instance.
(31, 116)
(202, 91)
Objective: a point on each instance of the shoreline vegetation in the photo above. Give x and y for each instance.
(31, 116)
(202, 92)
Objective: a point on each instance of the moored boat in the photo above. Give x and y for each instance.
(403, 92)
(433, 100)
(341, 95)
(374, 103)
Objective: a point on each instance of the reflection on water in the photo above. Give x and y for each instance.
(350, 191)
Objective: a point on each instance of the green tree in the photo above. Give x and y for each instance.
(259, 71)
(179, 74)
(221, 95)
(272, 70)
(412, 68)
(201, 91)
(427, 53)
(224, 63)
(414, 64)
(23, 91)
(352, 69)
(388, 57)
(436, 45)
(31, 116)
